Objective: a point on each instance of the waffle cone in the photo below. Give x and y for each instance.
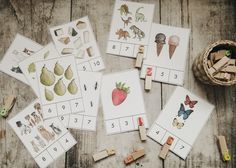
(171, 50)
(159, 48)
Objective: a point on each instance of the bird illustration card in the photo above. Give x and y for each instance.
(77, 38)
(130, 28)
(167, 54)
(20, 49)
(45, 140)
(182, 118)
(122, 101)
(28, 68)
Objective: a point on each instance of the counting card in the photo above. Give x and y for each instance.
(45, 140)
(77, 38)
(20, 49)
(182, 118)
(167, 54)
(28, 68)
(122, 101)
(130, 28)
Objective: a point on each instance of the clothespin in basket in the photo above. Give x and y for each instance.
(9, 102)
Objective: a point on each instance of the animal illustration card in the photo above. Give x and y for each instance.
(28, 68)
(77, 38)
(45, 140)
(20, 49)
(130, 28)
(122, 101)
(182, 118)
(167, 54)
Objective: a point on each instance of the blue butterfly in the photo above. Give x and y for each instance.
(185, 113)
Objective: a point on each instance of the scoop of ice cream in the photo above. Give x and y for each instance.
(160, 38)
(173, 40)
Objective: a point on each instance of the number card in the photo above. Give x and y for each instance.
(122, 101)
(130, 28)
(167, 54)
(77, 38)
(45, 140)
(20, 49)
(182, 118)
(28, 68)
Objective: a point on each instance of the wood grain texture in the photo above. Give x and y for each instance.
(209, 20)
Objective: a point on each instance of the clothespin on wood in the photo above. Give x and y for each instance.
(2, 134)
(142, 129)
(134, 156)
(104, 154)
(139, 58)
(165, 148)
(223, 148)
(148, 79)
(7, 105)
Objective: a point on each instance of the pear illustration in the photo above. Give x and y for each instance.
(47, 77)
(31, 68)
(58, 69)
(69, 73)
(72, 87)
(60, 88)
(48, 95)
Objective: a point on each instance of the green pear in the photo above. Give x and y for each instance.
(60, 88)
(72, 87)
(31, 68)
(69, 73)
(47, 77)
(58, 69)
(48, 95)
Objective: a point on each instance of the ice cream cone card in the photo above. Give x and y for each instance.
(122, 101)
(182, 118)
(167, 54)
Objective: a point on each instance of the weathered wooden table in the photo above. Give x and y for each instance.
(209, 20)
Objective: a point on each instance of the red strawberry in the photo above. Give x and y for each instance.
(119, 94)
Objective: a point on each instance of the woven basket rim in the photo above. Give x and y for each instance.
(205, 59)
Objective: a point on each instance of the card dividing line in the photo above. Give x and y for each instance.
(162, 67)
(127, 43)
(126, 116)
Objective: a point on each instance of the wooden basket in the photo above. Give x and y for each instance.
(200, 68)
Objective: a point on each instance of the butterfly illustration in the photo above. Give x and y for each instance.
(177, 124)
(185, 113)
(189, 102)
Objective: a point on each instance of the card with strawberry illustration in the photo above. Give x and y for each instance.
(77, 38)
(130, 28)
(45, 140)
(122, 101)
(28, 68)
(182, 118)
(20, 49)
(167, 54)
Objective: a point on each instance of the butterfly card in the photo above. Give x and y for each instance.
(130, 28)
(77, 38)
(122, 101)
(182, 118)
(45, 140)
(166, 54)
(20, 49)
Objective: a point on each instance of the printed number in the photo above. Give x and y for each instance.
(43, 158)
(182, 147)
(162, 73)
(157, 132)
(84, 68)
(112, 125)
(126, 48)
(49, 110)
(126, 123)
(97, 63)
(76, 104)
(67, 140)
(62, 118)
(89, 121)
(63, 107)
(76, 120)
(113, 47)
(55, 149)
(175, 76)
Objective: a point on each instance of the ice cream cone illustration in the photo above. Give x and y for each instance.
(173, 43)
(160, 40)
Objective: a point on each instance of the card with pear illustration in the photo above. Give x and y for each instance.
(28, 65)
(46, 140)
(122, 100)
(77, 38)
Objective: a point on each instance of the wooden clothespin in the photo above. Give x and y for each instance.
(223, 148)
(142, 129)
(139, 58)
(8, 104)
(2, 134)
(165, 148)
(148, 79)
(104, 154)
(134, 156)
(219, 65)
